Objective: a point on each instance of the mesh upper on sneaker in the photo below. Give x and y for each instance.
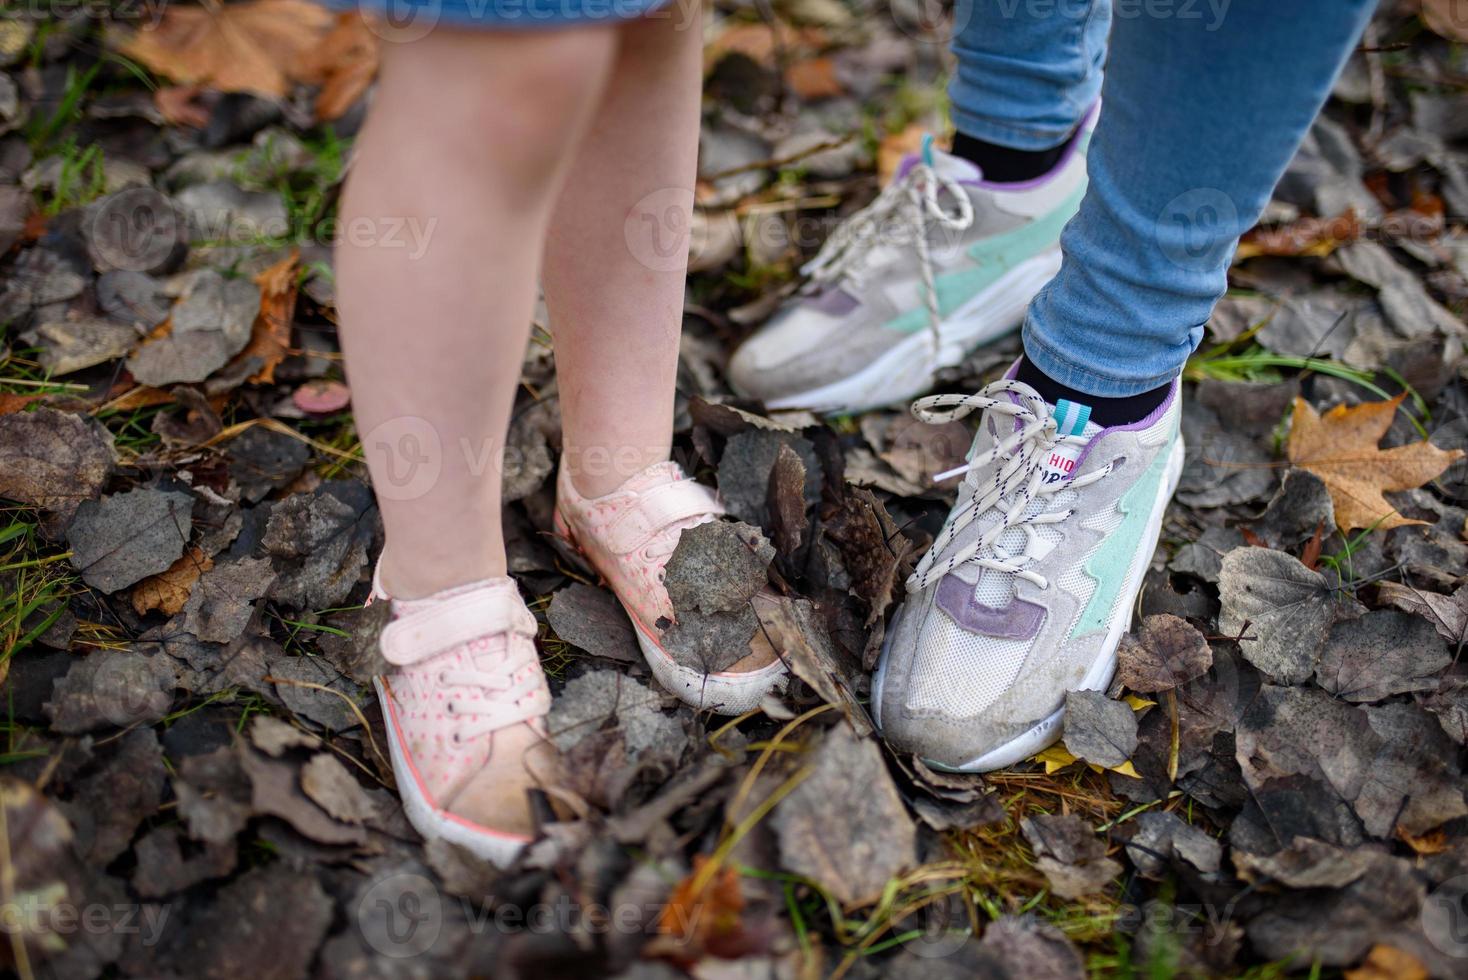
(833, 329)
(978, 655)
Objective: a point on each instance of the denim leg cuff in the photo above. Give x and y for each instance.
(1082, 377)
(1032, 138)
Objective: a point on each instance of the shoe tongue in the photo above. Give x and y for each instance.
(954, 168)
(1071, 419)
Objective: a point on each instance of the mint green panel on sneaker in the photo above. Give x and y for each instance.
(868, 330)
(992, 258)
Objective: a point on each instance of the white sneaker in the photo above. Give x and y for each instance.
(938, 264)
(1030, 584)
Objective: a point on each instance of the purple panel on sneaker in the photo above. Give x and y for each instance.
(1017, 620)
(833, 302)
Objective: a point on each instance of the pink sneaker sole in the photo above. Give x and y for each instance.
(432, 821)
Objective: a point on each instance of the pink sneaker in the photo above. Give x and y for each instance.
(628, 536)
(464, 707)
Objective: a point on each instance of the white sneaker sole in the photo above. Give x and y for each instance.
(729, 692)
(498, 847)
(1098, 678)
(908, 368)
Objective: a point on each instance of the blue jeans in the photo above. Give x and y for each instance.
(1204, 103)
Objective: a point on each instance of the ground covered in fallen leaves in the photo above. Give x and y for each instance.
(193, 777)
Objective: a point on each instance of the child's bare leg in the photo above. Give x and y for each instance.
(616, 263)
(469, 137)
(616, 259)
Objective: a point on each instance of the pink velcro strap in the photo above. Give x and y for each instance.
(447, 623)
(658, 508)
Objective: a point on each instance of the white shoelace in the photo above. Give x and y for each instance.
(912, 203)
(1018, 482)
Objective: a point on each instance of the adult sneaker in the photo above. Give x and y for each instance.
(938, 264)
(1030, 584)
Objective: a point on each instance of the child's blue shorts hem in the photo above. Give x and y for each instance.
(509, 15)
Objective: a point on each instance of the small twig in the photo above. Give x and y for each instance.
(775, 163)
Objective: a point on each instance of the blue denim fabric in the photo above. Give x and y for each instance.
(408, 19)
(1204, 102)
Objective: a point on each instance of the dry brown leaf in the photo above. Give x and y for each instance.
(1341, 448)
(343, 65)
(1433, 842)
(259, 47)
(814, 78)
(169, 589)
(1308, 236)
(1388, 963)
(760, 42)
(180, 105)
(11, 402)
(270, 338)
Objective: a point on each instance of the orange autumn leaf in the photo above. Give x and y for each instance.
(169, 589)
(704, 916)
(1341, 448)
(259, 47)
(1388, 963)
(270, 338)
(1314, 237)
(814, 78)
(343, 65)
(11, 402)
(1433, 842)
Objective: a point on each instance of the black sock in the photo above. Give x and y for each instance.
(1105, 412)
(1004, 165)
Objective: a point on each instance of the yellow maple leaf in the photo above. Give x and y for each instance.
(1057, 757)
(259, 47)
(1340, 447)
